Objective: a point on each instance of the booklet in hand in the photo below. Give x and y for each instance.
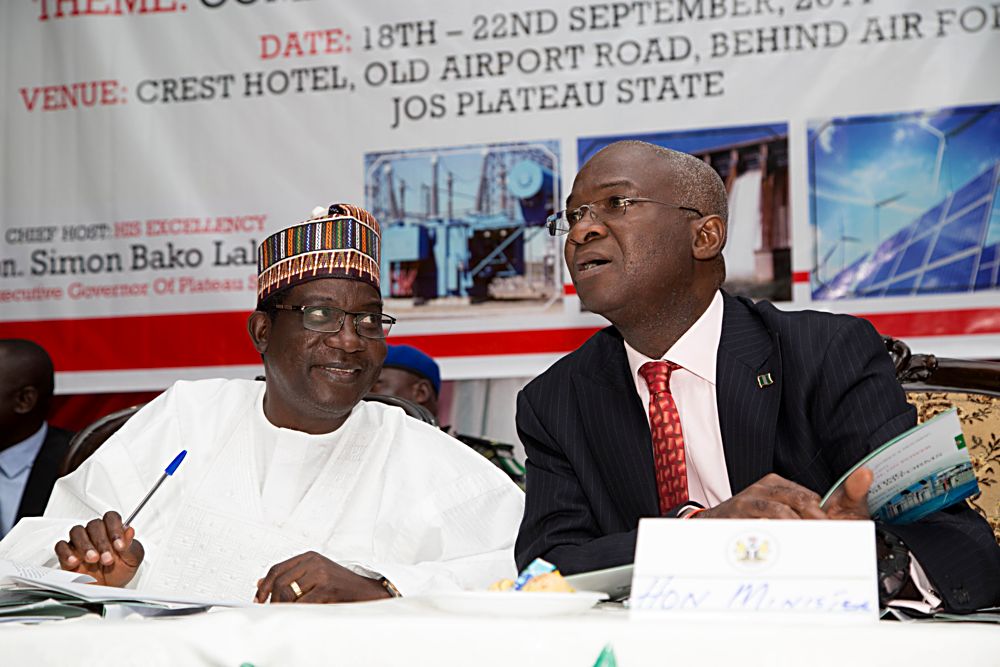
(918, 472)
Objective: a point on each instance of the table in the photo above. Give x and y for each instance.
(407, 632)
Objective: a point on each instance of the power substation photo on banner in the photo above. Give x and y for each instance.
(465, 226)
(906, 204)
(753, 163)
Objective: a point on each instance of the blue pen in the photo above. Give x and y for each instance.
(166, 473)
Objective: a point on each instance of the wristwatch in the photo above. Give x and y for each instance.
(893, 565)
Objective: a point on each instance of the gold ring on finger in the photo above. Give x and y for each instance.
(295, 589)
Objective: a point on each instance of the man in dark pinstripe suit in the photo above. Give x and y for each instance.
(774, 406)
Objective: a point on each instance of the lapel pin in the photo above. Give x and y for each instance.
(764, 380)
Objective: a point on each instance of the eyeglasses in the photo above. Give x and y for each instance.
(615, 206)
(328, 319)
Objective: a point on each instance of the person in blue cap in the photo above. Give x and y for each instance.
(409, 373)
(412, 374)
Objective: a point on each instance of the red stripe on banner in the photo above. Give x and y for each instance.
(151, 341)
(800, 277)
(937, 323)
(569, 290)
(220, 339)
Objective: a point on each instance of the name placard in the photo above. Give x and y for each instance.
(727, 568)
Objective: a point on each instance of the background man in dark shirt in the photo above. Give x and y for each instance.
(30, 449)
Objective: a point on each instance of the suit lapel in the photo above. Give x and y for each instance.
(615, 425)
(748, 358)
(44, 472)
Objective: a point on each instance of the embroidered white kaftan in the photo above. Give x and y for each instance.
(385, 494)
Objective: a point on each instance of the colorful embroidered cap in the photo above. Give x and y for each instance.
(343, 241)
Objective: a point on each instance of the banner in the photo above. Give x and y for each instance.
(150, 145)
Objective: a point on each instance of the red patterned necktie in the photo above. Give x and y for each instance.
(668, 440)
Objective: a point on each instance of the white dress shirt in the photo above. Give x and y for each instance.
(16, 463)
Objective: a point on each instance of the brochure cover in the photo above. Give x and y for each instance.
(918, 472)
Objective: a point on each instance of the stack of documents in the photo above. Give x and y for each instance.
(31, 593)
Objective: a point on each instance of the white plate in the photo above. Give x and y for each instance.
(519, 603)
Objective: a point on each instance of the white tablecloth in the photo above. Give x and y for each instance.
(406, 632)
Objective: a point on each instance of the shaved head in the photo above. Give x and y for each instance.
(690, 182)
(653, 266)
(694, 182)
(27, 362)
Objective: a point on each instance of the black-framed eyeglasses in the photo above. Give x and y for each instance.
(615, 206)
(329, 319)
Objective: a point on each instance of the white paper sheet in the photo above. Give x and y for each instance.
(12, 570)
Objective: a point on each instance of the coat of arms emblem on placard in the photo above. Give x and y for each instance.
(752, 551)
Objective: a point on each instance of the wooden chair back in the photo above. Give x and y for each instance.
(934, 384)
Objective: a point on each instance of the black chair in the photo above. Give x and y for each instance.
(86, 441)
(409, 407)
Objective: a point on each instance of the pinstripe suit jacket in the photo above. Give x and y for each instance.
(835, 398)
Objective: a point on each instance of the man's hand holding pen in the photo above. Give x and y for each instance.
(104, 549)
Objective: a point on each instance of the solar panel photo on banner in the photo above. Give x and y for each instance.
(950, 245)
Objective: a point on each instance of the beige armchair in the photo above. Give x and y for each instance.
(935, 384)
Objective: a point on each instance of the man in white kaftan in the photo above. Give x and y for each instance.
(384, 494)
(293, 489)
